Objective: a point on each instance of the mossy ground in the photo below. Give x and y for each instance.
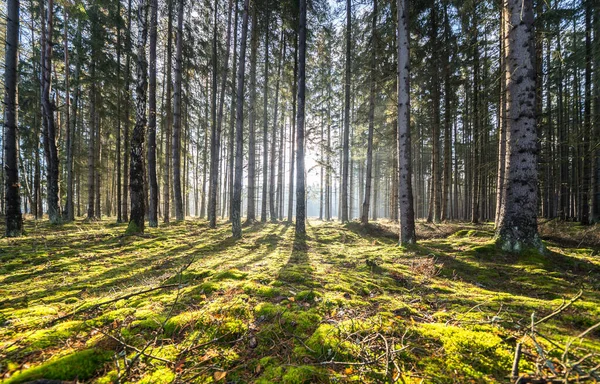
(343, 305)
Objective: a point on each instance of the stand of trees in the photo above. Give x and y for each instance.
(406, 110)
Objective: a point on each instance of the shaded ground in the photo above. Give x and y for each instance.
(343, 305)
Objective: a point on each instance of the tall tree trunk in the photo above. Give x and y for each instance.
(300, 188)
(502, 121)
(587, 129)
(214, 142)
(435, 126)
(50, 131)
(92, 140)
(263, 210)
(177, 104)
(364, 218)
(232, 112)
(346, 139)
(136, 176)
(68, 213)
(447, 120)
(272, 191)
(517, 227)
(126, 136)
(14, 218)
(151, 146)
(475, 169)
(169, 118)
(406, 211)
(293, 134)
(596, 135)
(119, 117)
(236, 206)
(251, 210)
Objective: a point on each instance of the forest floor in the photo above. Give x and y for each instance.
(185, 303)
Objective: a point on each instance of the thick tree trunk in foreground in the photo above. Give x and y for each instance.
(152, 180)
(136, 175)
(236, 206)
(517, 228)
(300, 188)
(14, 219)
(177, 103)
(405, 203)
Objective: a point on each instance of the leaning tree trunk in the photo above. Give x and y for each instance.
(405, 203)
(236, 206)
(14, 219)
(346, 138)
(176, 146)
(50, 131)
(300, 188)
(151, 146)
(364, 218)
(136, 175)
(517, 228)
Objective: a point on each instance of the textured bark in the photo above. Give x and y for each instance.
(251, 210)
(563, 146)
(587, 124)
(265, 147)
(435, 126)
(119, 118)
(14, 218)
(92, 144)
(405, 203)
(136, 175)
(300, 187)
(346, 139)
(596, 134)
(126, 136)
(475, 171)
(236, 206)
(151, 146)
(364, 218)
(272, 191)
(446, 181)
(169, 118)
(51, 150)
(232, 112)
(502, 121)
(177, 103)
(68, 212)
(517, 228)
(293, 133)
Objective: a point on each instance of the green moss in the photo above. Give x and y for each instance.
(160, 376)
(232, 274)
(82, 365)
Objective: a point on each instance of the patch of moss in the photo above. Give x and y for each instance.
(82, 365)
(159, 376)
(232, 274)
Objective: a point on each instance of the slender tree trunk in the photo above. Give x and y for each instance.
(126, 136)
(406, 211)
(251, 210)
(596, 136)
(14, 218)
(177, 104)
(136, 176)
(68, 213)
(272, 198)
(214, 142)
(300, 188)
(263, 210)
(346, 139)
(151, 147)
(587, 128)
(517, 227)
(436, 173)
(293, 135)
(447, 121)
(119, 117)
(236, 206)
(92, 146)
(502, 123)
(232, 113)
(364, 218)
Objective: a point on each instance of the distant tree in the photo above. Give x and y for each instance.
(14, 219)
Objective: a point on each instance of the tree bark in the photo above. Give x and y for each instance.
(447, 121)
(346, 139)
(587, 128)
(151, 146)
(517, 227)
(232, 113)
(126, 136)
(136, 176)
(272, 191)
(293, 135)
(300, 188)
(177, 104)
(14, 218)
(236, 206)
(251, 210)
(406, 211)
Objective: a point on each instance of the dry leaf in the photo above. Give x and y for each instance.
(219, 375)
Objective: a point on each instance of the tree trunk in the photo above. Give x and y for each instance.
(447, 121)
(177, 104)
(272, 191)
(517, 227)
(346, 139)
(232, 113)
(293, 135)
(406, 211)
(14, 218)
(364, 218)
(236, 206)
(151, 146)
(251, 210)
(300, 188)
(126, 138)
(502, 120)
(435, 127)
(263, 210)
(587, 128)
(214, 142)
(136, 176)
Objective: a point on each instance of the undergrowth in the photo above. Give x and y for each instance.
(344, 304)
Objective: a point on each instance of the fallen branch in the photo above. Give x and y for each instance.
(560, 309)
(124, 344)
